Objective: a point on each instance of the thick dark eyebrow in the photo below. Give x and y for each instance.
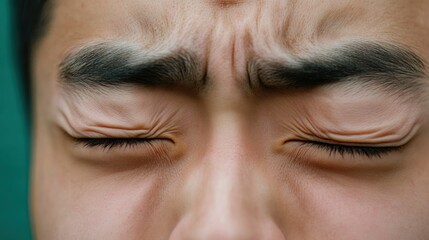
(114, 65)
(382, 64)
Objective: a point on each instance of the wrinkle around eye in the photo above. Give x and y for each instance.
(80, 122)
(361, 117)
(115, 131)
(384, 133)
(379, 137)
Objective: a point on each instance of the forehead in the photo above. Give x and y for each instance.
(295, 24)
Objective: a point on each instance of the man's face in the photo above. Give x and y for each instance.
(232, 120)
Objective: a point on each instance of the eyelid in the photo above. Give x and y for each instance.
(110, 143)
(313, 139)
(354, 150)
(339, 156)
(392, 138)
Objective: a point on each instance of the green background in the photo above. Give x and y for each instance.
(14, 153)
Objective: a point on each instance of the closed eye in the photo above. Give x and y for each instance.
(110, 143)
(353, 151)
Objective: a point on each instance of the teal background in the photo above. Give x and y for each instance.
(14, 153)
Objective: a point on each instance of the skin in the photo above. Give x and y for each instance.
(233, 167)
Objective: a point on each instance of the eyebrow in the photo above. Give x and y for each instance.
(114, 65)
(382, 64)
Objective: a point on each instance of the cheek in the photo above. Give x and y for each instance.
(349, 210)
(120, 205)
(113, 206)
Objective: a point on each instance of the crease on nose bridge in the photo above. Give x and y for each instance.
(226, 3)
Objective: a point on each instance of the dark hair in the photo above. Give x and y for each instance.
(31, 20)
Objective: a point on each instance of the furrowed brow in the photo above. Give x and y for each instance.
(111, 65)
(381, 64)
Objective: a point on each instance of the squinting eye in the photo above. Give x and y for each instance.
(109, 143)
(353, 151)
(154, 152)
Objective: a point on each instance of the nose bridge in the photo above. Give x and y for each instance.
(224, 204)
(227, 174)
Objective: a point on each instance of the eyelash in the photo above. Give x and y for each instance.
(342, 150)
(354, 151)
(110, 143)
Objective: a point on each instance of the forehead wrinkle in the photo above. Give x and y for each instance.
(305, 24)
(337, 19)
(154, 21)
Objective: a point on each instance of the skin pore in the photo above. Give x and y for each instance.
(133, 141)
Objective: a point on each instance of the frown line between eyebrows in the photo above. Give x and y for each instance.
(109, 65)
(392, 67)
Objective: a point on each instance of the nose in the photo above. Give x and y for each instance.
(226, 198)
